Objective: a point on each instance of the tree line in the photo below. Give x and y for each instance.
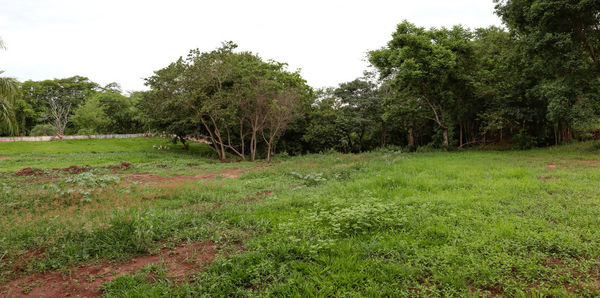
(533, 83)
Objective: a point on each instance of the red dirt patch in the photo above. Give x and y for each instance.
(551, 167)
(20, 262)
(588, 163)
(4, 157)
(121, 166)
(75, 169)
(29, 172)
(85, 280)
(151, 178)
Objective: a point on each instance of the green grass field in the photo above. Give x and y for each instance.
(178, 223)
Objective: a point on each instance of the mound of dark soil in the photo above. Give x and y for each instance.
(29, 172)
(76, 169)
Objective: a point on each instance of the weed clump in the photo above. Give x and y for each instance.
(310, 179)
(88, 179)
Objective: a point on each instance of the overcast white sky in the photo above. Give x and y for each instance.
(124, 41)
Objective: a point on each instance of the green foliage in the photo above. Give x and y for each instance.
(90, 118)
(310, 179)
(122, 115)
(88, 179)
(322, 131)
(347, 119)
(236, 99)
(523, 140)
(585, 121)
(43, 130)
(8, 92)
(559, 42)
(429, 70)
(348, 221)
(151, 281)
(54, 100)
(8, 122)
(108, 112)
(77, 105)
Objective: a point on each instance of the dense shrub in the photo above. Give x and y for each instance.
(523, 140)
(43, 130)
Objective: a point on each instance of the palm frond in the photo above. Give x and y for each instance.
(8, 90)
(7, 115)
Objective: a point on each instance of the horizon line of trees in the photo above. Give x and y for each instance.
(535, 83)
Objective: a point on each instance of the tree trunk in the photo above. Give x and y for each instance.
(253, 142)
(351, 146)
(269, 152)
(213, 139)
(242, 139)
(360, 140)
(411, 136)
(383, 132)
(270, 147)
(473, 134)
(500, 135)
(446, 141)
(461, 134)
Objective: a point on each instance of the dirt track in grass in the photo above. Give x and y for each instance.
(86, 280)
(151, 178)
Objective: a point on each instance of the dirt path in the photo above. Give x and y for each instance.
(151, 178)
(86, 280)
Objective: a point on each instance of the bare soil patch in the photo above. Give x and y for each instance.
(588, 163)
(4, 157)
(86, 280)
(151, 178)
(20, 263)
(75, 169)
(121, 166)
(29, 172)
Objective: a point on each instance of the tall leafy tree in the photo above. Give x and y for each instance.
(361, 111)
(108, 112)
(430, 68)
(55, 100)
(8, 91)
(322, 130)
(227, 95)
(561, 42)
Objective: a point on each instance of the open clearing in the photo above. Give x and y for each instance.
(119, 218)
